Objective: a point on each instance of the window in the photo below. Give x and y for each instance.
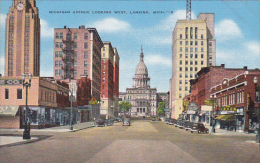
(191, 68)
(75, 45)
(180, 36)
(191, 55)
(196, 30)
(104, 72)
(86, 36)
(104, 55)
(180, 49)
(191, 36)
(75, 72)
(191, 49)
(103, 86)
(85, 63)
(56, 54)
(104, 67)
(186, 55)
(85, 54)
(57, 45)
(186, 81)
(180, 75)
(104, 48)
(202, 62)
(75, 63)
(186, 62)
(57, 35)
(191, 30)
(180, 68)
(201, 36)
(210, 43)
(186, 75)
(61, 64)
(180, 88)
(19, 94)
(180, 96)
(196, 68)
(196, 49)
(56, 72)
(61, 35)
(186, 49)
(196, 36)
(202, 55)
(191, 62)
(201, 42)
(196, 55)
(196, 62)
(180, 81)
(191, 43)
(6, 94)
(186, 69)
(60, 54)
(180, 62)
(186, 36)
(191, 75)
(180, 55)
(75, 36)
(186, 30)
(186, 88)
(85, 45)
(187, 43)
(56, 63)
(85, 72)
(180, 42)
(103, 80)
(61, 45)
(196, 42)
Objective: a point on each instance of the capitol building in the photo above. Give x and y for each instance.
(142, 97)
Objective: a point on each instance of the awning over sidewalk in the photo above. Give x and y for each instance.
(7, 110)
(228, 117)
(219, 117)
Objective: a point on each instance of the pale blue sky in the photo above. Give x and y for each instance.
(237, 25)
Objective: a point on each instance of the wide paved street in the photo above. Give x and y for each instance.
(142, 142)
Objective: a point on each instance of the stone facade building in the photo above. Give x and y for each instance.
(194, 47)
(142, 97)
(22, 49)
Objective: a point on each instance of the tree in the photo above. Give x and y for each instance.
(161, 108)
(125, 106)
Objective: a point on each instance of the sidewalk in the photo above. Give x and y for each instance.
(8, 137)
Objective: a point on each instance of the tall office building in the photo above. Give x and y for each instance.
(194, 47)
(22, 54)
(116, 82)
(77, 53)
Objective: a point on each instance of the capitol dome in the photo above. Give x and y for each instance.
(141, 69)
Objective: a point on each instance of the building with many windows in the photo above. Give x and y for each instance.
(193, 48)
(22, 51)
(142, 97)
(77, 52)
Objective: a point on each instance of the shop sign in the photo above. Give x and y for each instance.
(229, 108)
(11, 82)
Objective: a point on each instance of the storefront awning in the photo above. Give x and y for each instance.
(219, 117)
(7, 110)
(229, 117)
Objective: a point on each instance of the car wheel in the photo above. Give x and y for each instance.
(199, 131)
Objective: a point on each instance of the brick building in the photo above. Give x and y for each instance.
(237, 105)
(116, 82)
(47, 101)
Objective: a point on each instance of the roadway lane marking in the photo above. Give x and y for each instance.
(142, 151)
(142, 127)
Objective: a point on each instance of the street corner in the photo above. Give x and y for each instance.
(13, 140)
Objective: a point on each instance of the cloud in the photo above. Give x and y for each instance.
(111, 25)
(46, 30)
(158, 60)
(2, 20)
(227, 30)
(253, 48)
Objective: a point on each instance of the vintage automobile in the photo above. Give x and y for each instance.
(199, 128)
(118, 119)
(126, 122)
(167, 120)
(101, 122)
(187, 125)
(109, 122)
(172, 122)
(181, 124)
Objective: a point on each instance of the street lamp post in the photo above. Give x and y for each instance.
(26, 133)
(256, 100)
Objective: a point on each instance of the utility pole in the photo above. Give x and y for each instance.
(188, 9)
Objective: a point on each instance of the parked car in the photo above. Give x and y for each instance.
(187, 125)
(166, 120)
(101, 122)
(118, 119)
(181, 124)
(171, 122)
(177, 123)
(109, 122)
(126, 122)
(94, 124)
(199, 128)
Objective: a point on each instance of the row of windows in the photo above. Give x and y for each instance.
(187, 75)
(191, 63)
(187, 69)
(60, 35)
(191, 43)
(60, 53)
(186, 82)
(180, 88)
(191, 56)
(19, 94)
(231, 99)
(75, 46)
(191, 49)
(191, 36)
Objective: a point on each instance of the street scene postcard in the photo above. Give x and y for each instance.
(129, 81)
